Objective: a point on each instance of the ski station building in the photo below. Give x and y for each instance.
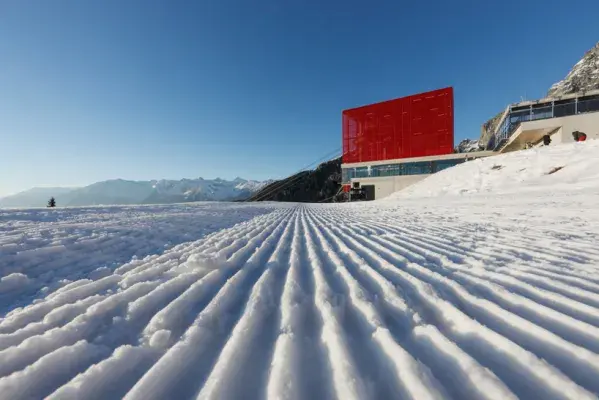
(526, 124)
(390, 145)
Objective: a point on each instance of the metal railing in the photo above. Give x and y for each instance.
(534, 112)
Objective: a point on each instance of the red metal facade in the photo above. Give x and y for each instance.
(414, 126)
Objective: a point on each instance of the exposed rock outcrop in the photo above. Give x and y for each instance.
(488, 129)
(583, 77)
(468, 146)
(320, 184)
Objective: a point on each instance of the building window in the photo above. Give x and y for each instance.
(444, 164)
(589, 104)
(518, 115)
(418, 168)
(361, 172)
(542, 111)
(563, 108)
(414, 168)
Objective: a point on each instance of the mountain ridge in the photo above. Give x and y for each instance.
(123, 192)
(583, 77)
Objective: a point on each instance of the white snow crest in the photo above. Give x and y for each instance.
(13, 283)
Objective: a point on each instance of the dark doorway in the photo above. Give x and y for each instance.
(368, 192)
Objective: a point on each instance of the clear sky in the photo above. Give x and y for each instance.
(141, 89)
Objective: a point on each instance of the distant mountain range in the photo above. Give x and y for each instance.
(119, 191)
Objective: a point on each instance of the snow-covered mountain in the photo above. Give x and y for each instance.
(468, 146)
(119, 191)
(36, 197)
(583, 77)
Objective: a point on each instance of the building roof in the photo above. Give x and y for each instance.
(452, 156)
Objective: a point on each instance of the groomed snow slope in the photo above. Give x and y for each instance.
(462, 297)
(42, 250)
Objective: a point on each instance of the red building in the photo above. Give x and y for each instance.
(413, 126)
(390, 145)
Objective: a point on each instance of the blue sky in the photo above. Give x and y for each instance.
(94, 90)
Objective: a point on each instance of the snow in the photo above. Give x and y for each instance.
(564, 168)
(160, 338)
(13, 282)
(476, 283)
(42, 250)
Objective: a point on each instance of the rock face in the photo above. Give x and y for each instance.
(320, 184)
(583, 77)
(488, 129)
(468, 146)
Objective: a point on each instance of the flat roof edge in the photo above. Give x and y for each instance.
(451, 156)
(556, 98)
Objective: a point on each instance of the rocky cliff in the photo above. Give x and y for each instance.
(488, 128)
(583, 77)
(468, 146)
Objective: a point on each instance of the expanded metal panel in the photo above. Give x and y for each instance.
(414, 126)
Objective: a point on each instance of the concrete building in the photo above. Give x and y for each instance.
(378, 137)
(525, 124)
(381, 178)
(390, 145)
(417, 129)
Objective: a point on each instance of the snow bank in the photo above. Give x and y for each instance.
(13, 282)
(572, 166)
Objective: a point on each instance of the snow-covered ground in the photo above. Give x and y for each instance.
(488, 293)
(570, 168)
(42, 250)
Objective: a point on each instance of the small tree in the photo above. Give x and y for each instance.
(52, 202)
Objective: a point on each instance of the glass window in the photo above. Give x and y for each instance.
(361, 172)
(564, 108)
(542, 111)
(346, 174)
(589, 104)
(413, 168)
(387, 170)
(418, 168)
(520, 115)
(444, 164)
